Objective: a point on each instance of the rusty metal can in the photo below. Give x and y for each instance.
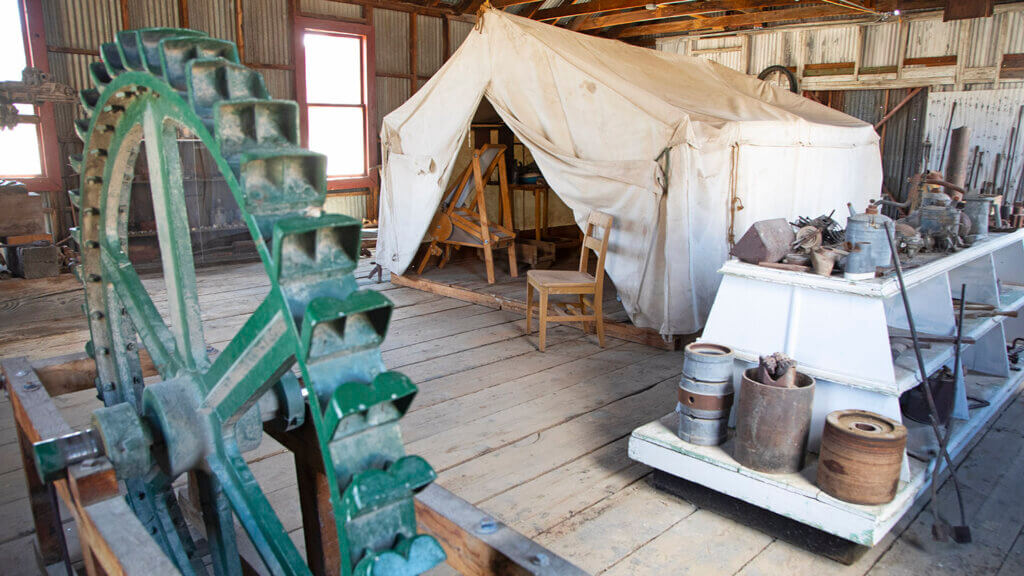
(861, 456)
(702, 431)
(705, 399)
(707, 362)
(772, 424)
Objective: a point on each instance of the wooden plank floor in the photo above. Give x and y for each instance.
(536, 439)
(468, 272)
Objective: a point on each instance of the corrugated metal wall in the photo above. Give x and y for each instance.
(391, 33)
(153, 13)
(330, 9)
(215, 17)
(991, 114)
(926, 36)
(903, 134)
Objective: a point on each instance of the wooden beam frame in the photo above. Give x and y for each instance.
(115, 543)
(732, 21)
(694, 9)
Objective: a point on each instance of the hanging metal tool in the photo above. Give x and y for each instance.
(205, 414)
(961, 533)
(35, 89)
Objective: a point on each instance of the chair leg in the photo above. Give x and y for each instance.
(512, 267)
(543, 317)
(600, 322)
(529, 305)
(489, 260)
(583, 312)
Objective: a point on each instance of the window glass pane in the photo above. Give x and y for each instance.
(338, 133)
(333, 69)
(12, 43)
(19, 148)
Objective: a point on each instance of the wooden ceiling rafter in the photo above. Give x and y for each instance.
(732, 21)
(692, 9)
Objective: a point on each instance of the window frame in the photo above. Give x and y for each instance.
(303, 24)
(34, 37)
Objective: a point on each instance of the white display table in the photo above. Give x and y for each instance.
(838, 331)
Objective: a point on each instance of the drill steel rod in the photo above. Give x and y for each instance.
(934, 412)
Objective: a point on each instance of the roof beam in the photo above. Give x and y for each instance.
(592, 7)
(501, 4)
(682, 26)
(694, 9)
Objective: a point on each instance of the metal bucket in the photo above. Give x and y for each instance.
(870, 228)
(707, 362)
(701, 431)
(710, 400)
(859, 263)
(772, 424)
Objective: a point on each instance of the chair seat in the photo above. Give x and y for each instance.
(560, 278)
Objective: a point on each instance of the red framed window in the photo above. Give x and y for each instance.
(30, 149)
(334, 88)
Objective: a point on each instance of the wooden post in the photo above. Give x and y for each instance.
(239, 35)
(183, 13)
(413, 53)
(446, 39)
(125, 24)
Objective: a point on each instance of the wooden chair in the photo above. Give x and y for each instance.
(462, 219)
(578, 282)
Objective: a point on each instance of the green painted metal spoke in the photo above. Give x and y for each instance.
(161, 137)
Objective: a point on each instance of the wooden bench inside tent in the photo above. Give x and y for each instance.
(462, 218)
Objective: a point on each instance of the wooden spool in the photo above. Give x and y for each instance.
(440, 228)
(861, 454)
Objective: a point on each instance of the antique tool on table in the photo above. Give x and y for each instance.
(314, 324)
(962, 533)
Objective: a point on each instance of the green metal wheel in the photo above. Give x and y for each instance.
(314, 325)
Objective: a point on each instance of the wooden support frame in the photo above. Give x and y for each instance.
(463, 219)
(114, 542)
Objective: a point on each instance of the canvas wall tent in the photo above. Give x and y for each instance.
(679, 150)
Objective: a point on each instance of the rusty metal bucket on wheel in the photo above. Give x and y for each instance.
(772, 424)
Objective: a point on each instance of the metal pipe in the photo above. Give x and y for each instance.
(1011, 154)
(934, 412)
(959, 146)
(977, 170)
(945, 139)
(1009, 159)
(973, 165)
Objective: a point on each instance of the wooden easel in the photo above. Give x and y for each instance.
(462, 219)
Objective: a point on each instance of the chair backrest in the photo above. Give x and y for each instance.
(598, 244)
(462, 192)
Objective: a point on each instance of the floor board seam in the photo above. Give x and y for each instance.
(540, 431)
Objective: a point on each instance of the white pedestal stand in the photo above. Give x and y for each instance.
(838, 331)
